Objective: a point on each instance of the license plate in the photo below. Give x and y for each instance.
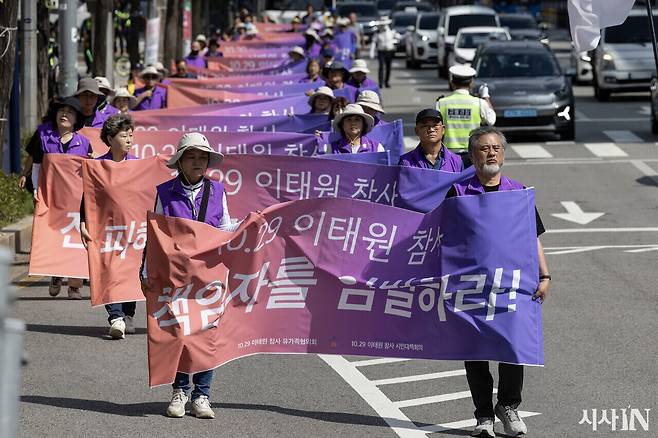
(520, 113)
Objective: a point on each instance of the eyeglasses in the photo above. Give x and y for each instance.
(488, 147)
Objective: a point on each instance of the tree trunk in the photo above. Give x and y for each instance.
(46, 90)
(8, 17)
(197, 18)
(172, 38)
(100, 28)
(135, 30)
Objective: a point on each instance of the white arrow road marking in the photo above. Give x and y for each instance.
(576, 214)
(645, 110)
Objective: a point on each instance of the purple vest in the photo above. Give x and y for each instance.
(50, 142)
(342, 146)
(450, 162)
(101, 115)
(367, 84)
(196, 61)
(348, 92)
(474, 187)
(158, 99)
(108, 156)
(176, 203)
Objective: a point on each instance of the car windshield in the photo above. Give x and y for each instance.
(633, 30)
(404, 20)
(429, 22)
(513, 65)
(518, 22)
(386, 4)
(361, 9)
(558, 35)
(470, 20)
(473, 40)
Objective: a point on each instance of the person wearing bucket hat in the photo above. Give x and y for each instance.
(313, 70)
(358, 77)
(91, 97)
(335, 75)
(431, 153)
(123, 100)
(320, 101)
(56, 135)
(312, 44)
(192, 196)
(353, 124)
(369, 101)
(195, 58)
(150, 96)
(295, 25)
(297, 54)
(105, 106)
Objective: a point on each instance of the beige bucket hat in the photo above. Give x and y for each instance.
(354, 110)
(370, 99)
(194, 140)
(103, 84)
(298, 50)
(321, 91)
(359, 65)
(150, 70)
(123, 92)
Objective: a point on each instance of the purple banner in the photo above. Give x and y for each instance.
(242, 81)
(284, 106)
(390, 135)
(307, 123)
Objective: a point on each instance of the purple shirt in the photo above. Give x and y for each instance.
(51, 142)
(474, 187)
(197, 61)
(342, 146)
(175, 202)
(108, 156)
(448, 161)
(102, 114)
(157, 100)
(348, 92)
(367, 84)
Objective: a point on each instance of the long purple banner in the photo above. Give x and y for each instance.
(308, 123)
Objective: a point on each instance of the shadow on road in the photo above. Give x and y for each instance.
(648, 181)
(74, 330)
(101, 406)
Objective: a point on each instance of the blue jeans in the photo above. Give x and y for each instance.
(119, 310)
(202, 382)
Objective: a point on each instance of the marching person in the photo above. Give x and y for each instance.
(190, 195)
(320, 101)
(213, 49)
(358, 77)
(89, 96)
(369, 101)
(195, 58)
(105, 106)
(430, 152)
(486, 147)
(338, 106)
(335, 75)
(384, 43)
(327, 55)
(353, 124)
(58, 134)
(117, 133)
(297, 54)
(123, 101)
(462, 112)
(313, 70)
(312, 43)
(150, 96)
(181, 71)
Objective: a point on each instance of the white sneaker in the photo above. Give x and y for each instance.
(484, 428)
(201, 408)
(117, 328)
(512, 423)
(176, 408)
(130, 324)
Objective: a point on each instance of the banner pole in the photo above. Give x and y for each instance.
(653, 33)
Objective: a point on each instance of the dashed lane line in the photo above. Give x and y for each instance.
(646, 170)
(419, 377)
(623, 136)
(380, 361)
(605, 150)
(531, 151)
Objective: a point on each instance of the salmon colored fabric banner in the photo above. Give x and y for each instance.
(245, 64)
(240, 82)
(56, 245)
(117, 197)
(181, 96)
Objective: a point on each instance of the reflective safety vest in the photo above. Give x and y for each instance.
(461, 115)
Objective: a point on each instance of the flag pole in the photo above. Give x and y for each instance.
(653, 33)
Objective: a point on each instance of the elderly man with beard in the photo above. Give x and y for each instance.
(486, 147)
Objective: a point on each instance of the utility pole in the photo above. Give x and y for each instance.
(68, 47)
(29, 88)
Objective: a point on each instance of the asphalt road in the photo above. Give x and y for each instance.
(599, 322)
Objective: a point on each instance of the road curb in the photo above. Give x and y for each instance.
(17, 237)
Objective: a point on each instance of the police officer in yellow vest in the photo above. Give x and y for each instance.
(462, 112)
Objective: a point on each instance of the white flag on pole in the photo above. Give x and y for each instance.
(588, 17)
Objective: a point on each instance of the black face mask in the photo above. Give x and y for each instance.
(194, 52)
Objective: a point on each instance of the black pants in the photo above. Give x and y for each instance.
(385, 60)
(480, 382)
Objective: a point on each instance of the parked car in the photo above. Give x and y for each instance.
(366, 16)
(468, 39)
(283, 11)
(529, 91)
(455, 18)
(521, 26)
(421, 42)
(623, 60)
(402, 21)
(385, 7)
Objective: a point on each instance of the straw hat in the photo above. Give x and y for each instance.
(370, 99)
(298, 50)
(353, 109)
(150, 70)
(194, 140)
(359, 65)
(321, 91)
(123, 92)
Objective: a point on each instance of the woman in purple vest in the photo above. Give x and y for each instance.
(335, 76)
(183, 197)
(320, 101)
(150, 96)
(57, 135)
(353, 124)
(369, 101)
(431, 153)
(358, 77)
(117, 133)
(196, 58)
(312, 71)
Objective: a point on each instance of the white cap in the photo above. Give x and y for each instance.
(370, 99)
(298, 50)
(313, 33)
(460, 71)
(359, 65)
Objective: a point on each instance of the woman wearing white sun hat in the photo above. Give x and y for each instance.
(369, 101)
(353, 124)
(358, 77)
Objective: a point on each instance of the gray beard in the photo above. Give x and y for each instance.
(491, 169)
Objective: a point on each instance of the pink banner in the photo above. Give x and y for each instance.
(180, 96)
(241, 82)
(246, 64)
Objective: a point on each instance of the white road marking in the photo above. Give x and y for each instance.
(416, 99)
(464, 424)
(391, 414)
(604, 230)
(646, 170)
(613, 120)
(434, 399)
(560, 142)
(623, 137)
(645, 110)
(637, 251)
(576, 214)
(605, 150)
(419, 377)
(574, 161)
(531, 151)
(380, 361)
(559, 250)
(581, 117)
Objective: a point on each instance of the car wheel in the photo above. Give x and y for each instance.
(408, 63)
(569, 133)
(601, 94)
(654, 122)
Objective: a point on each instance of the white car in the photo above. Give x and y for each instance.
(421, 41)
(468, 39)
